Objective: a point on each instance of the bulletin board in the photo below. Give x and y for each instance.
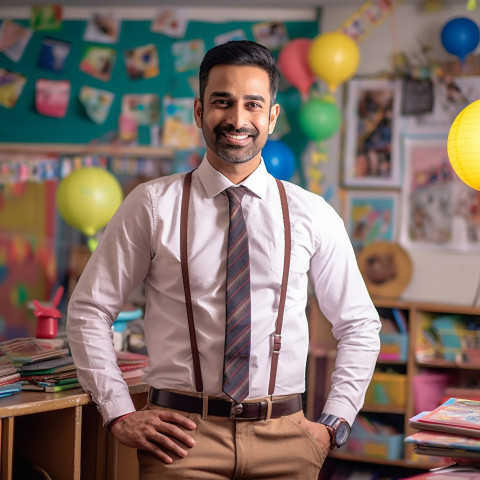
(22, 123)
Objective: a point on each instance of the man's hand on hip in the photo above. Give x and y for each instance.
(153, 430)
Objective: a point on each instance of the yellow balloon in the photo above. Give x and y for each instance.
(463, 145)
(87, 198)
(334, 58)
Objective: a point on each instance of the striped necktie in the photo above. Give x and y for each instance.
(237, 332)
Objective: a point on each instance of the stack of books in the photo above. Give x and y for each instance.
(53, 375)
(132, 365)
(8, 371)
(40, 365)
(451, 430)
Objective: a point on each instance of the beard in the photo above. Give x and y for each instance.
(215, 140)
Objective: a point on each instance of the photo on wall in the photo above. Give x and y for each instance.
(370, 217)
(372, 136)
(440, 211)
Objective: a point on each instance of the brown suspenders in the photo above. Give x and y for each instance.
(277, 337)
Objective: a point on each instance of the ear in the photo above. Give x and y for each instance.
(274, 112)
(197, 111)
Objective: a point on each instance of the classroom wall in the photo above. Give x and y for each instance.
(446, 277)
(450, 277)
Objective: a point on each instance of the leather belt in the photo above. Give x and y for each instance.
(225, 408)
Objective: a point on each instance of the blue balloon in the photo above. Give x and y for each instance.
(279, 159)
(460, 36)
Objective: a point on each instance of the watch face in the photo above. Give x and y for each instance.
(342, 433)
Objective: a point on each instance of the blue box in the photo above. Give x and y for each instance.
(393, 346)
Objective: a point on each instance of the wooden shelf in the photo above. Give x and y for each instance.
(322, 355)
(78, 149)
(67, 426)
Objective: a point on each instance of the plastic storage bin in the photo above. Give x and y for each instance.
(393, 346)
(387, 389)
(389, 447)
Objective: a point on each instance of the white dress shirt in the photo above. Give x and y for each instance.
(142, 243)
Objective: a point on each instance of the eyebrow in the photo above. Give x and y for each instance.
(258, 98)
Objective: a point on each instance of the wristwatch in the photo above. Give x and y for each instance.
(338, 429)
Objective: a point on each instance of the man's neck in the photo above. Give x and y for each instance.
(235, 172)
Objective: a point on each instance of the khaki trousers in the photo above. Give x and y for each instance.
(225, 449)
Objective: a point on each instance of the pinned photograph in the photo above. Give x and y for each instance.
(46, 17)
(188, 55)
(235, 35)
(53, 54)
(272, 35)
(13, 39)
(102, 28)
(170, 21)
(179, 129)
(96, 102)
(98, 62)
(52, 97)
(142, 62)
(128, 128)
(11, 86)
(144, 108)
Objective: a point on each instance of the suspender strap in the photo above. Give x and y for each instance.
(186, 280)
(277, 337)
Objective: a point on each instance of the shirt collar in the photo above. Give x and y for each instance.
(214, 182)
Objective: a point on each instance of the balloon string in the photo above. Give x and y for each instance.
(394, 33)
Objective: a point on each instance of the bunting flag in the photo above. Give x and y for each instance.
(370, 15)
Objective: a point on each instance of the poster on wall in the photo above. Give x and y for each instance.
(14, 39)
(371, 216)
(440, 211)
(372, 136)
(451, 96)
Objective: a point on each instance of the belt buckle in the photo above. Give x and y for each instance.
(237, 409)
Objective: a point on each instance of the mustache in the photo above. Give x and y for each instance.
(237, 131)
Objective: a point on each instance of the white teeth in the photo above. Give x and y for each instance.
(236, 137)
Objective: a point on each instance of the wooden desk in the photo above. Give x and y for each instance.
(63, 434)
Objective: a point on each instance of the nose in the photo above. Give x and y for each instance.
(237, 117)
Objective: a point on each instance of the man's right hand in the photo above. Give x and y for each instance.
(153, 430)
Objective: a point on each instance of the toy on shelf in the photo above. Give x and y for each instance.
(48, 315)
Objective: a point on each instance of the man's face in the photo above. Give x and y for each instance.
(236, 117)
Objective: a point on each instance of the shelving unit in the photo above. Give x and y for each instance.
(62, 433)
(322, 354)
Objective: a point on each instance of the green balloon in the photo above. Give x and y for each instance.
(319, 119)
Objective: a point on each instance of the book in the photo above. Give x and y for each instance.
(10, 389)
(456, 415)
(428, 438)
(445, 452)
(449, 472)
(28, 349)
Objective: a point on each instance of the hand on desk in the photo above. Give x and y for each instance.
(153, 430)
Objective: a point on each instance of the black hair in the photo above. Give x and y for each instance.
(240, 52)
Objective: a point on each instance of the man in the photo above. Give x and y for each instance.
(183, 236)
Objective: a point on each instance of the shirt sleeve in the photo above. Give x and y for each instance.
(344, 300)
(119, 264)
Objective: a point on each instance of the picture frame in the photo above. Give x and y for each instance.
(372, 134)
(371, 216)
(440, 211)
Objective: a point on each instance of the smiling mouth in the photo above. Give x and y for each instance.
(236, 137)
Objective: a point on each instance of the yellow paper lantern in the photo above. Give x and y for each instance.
(334, 58)
(464, 145)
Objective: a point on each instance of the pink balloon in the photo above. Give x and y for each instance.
(293, 63)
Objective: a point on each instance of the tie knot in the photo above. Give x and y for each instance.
(235, 194)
